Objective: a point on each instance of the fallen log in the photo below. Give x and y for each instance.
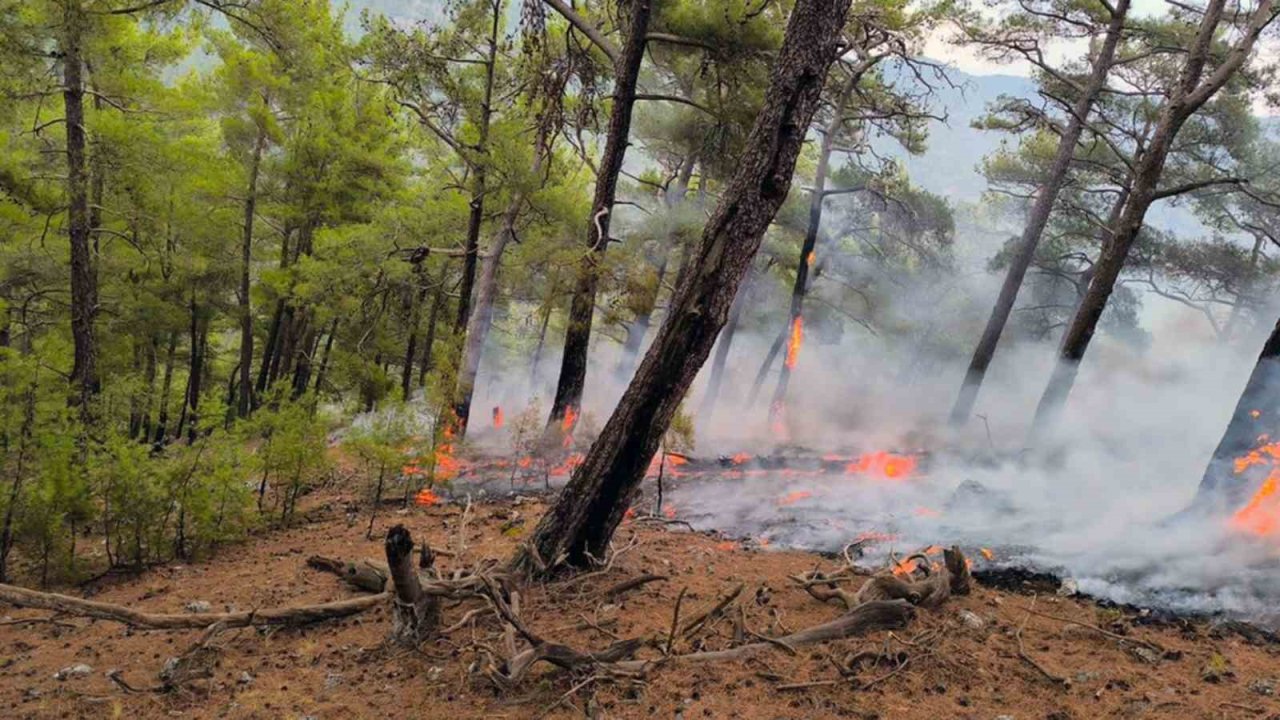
(868, 617)
(364, 575)
(300, 615)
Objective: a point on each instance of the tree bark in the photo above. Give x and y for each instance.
(723, 344)
(1050, 186)
(577, 338)
(1191, 92)
(324, 357)
(416, 613)
(817, 197)
(411, 345)
(429, 344)
(162, 415)
(479, 178)
(581, 522)
(481, 320)
(1257, 416)
(244, 402)
(84, 284)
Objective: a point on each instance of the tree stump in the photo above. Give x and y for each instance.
(416, 614)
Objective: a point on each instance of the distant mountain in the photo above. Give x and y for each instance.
(949, 166)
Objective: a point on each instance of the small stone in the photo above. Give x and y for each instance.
(971, 621)
(198, 607)
(1069, 587)
(332, 680)
(1263, 686)
(245, 678)
(1146, 654)
(1004, 717)
(74, 671)
(1086, 676)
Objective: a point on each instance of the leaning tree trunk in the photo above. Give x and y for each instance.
(581, 522)
(84, 284)
(1187, 98)
(577, 338)
(1040, 212)
(479, 179)
(244, 402)
(1256, 420)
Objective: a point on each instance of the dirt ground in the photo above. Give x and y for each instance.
(961, 661)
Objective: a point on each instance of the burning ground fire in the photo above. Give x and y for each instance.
(1261, 514)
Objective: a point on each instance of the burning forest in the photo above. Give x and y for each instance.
(890, 358)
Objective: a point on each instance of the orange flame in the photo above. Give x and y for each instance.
(1261, 515)
(1255, 414)
(740, 458)
(794, 497)
(426, 498)
(812, 256)
(883, 464)
(497, 417)
(567, 424)
(986, 553)
(793, 342)
(927, 512)
(726, 546)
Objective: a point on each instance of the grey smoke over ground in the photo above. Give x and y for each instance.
(1134, 439)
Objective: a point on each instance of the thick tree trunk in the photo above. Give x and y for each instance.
(1040, 211)
(577, 338)
(1256, 421)
(244, 402)
(1189, 95)
(581, 522)
(479, 179)
(84, 284)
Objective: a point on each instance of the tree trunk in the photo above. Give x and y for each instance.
(84, 284)
(479, 178)
(416, 614)
(1189, 95)
(763, 372)
(411, 345)
(162, 416)
(546, 309)
(817, 197)
(1256, 421)
(429, 344)
(19, 471)
(199, 344)
(269, 351)
(481, 320)
(1040, 212)
(577, 339)
(324, 357)
(723, 344)
(581, 522)
(244, 403)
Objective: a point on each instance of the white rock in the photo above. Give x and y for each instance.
(74, 671)
(198, 607)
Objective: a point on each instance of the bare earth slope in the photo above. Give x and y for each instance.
(981, 656)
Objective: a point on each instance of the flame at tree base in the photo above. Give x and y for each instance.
(1261, 514)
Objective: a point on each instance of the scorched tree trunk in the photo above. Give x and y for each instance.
(582, 520)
